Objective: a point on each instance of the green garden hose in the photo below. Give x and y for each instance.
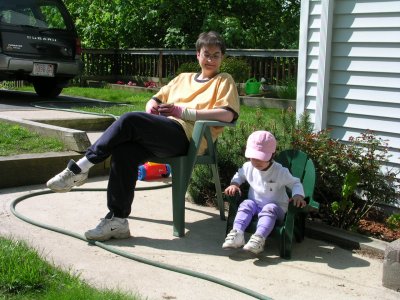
(47, 105)
(123, 253)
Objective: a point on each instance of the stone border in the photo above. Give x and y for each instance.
(267, 102)
(345, 239)
(29, 169)
(75, 140)
(37, 168)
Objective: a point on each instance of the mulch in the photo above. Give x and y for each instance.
(378, 230)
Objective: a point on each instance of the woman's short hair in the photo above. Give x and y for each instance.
(210, 38)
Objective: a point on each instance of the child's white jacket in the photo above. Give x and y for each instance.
(270, 185)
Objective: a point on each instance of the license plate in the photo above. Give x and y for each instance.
(43, 70)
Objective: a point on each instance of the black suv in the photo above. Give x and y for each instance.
(39, 44)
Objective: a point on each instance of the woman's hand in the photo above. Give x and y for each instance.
(167, 110)
(152, 107)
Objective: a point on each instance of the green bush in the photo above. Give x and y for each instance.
(349, 177)
(189, 67)
(237, 67)
(287, 89)
(393, 221)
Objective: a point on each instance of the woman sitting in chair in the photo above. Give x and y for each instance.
(267, 194)
(164, 130)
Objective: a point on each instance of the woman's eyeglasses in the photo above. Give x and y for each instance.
(211, 57)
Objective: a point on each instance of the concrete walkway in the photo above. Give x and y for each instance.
(318, 270)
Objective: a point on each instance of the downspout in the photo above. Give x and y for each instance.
(324, 65)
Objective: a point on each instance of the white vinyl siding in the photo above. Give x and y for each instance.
(361, 89)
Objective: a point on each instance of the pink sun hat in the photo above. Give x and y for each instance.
(260, 145)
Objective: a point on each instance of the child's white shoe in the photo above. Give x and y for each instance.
(234, 239)
(255, 244)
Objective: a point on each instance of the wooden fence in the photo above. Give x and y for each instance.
(159, 64)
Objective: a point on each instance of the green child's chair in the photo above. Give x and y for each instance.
(293, 226)
(182, 167)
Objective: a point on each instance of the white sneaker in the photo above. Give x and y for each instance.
(234, 239)
(255, 244)
(67, 179)
(116, 228)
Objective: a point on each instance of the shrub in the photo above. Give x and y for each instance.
(287, 89)
(349, 177)
(189, 67)
(393, 221)
(237, 67)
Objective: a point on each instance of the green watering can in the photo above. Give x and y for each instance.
(252, 86)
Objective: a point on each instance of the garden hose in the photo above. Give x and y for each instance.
(123, 253)
(48, 105)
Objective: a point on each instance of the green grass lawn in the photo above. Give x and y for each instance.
(15, 139)
(132, 101)
(24, 274)
(111, 95)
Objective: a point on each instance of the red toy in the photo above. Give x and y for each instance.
(150, 170)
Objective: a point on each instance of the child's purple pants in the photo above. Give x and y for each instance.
(267, 217)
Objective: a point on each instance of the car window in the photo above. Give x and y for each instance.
(52, 17)
(44, 15)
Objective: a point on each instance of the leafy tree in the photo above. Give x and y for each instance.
(176, 24)
(115, 24)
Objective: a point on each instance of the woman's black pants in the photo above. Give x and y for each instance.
(130, 141)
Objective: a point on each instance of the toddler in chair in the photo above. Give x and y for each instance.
(267, 195)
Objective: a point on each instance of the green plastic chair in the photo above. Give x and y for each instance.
(182, 167)
(293, 226)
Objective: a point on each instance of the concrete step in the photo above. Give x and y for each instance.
(29, 169)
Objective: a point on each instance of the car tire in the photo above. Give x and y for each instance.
(47, 89)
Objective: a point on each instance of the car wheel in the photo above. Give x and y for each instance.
(47, 89)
